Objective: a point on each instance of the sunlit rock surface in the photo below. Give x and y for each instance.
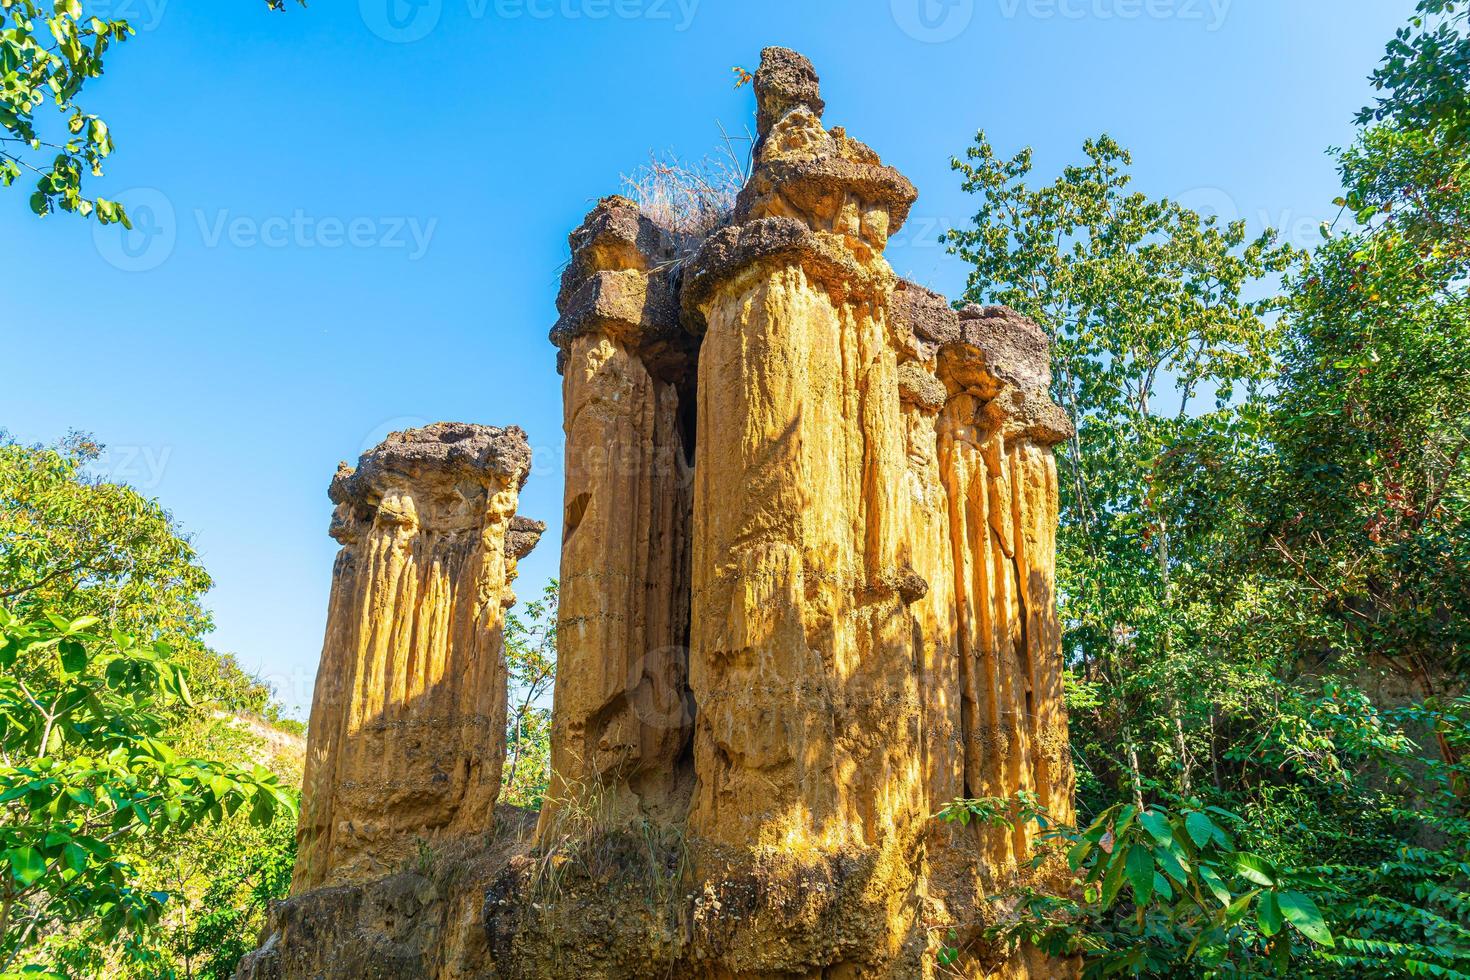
(407, 731)
(807, 599)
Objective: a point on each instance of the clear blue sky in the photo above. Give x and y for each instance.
(370, 203)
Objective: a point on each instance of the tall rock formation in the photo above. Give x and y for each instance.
(853, 612)
(407, 732)
(980, 428)
(808, 733)
(623, 715)
(807, 599)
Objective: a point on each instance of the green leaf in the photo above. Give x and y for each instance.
(1078, 853)
(1141, 873)
(26, 864)
(263, 810)
(1157, 825)
(1201, 828)
(73, 656)
(1174, 862)
(1214, 884)
(1113, 879)
(1303, 913)
(74, 856)
(1256, 870)
(1237, 909)
(1268, 914)
(82, 623)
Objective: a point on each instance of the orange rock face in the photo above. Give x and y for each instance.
(809, 717)
(407, 731)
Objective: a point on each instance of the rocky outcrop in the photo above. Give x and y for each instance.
(807, 599)
(407, 731)
(979, 429)
(623, 714)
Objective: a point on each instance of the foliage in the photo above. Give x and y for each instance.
(1172, 890)
(1363, 494)
(243, 881)
(85, 549)
(1264, 599)
(1410, 160)
(530, 657)
(48, 53)
(1160, 889)
(86, 778)
(1145, 303)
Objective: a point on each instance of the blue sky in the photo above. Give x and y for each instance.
(356, 213)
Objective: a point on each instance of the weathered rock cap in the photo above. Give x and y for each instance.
(732, 249)
(615, 235)
(1030, 413)
(455, 449)
(820, 182)
(636, 308)
(922, 319)
(623, 281)
(1016, 350)
(784, 81)
(522, 536)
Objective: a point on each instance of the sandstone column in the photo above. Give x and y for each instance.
(921, 321)
(996, 434)
(407, 732)
(622, 717)
(808, 731)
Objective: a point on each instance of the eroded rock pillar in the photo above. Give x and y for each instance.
(407, 733)
(622, 717)
(808, 732)
(996, 433)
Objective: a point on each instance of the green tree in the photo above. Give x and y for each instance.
(243, 881)
(76, 545)
(82, 548)
(1154, 342)
(530, 656)
(1410, 159)
(87, 778)
(1364, 495)
(1232, 575)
